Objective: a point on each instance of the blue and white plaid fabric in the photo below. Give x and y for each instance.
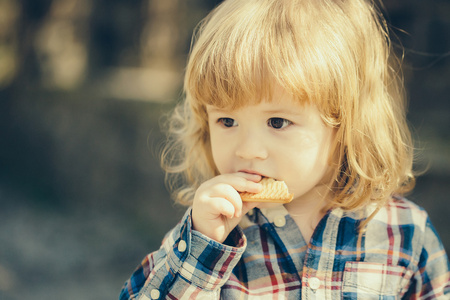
(399, 257)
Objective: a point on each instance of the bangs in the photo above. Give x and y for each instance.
(243, 54)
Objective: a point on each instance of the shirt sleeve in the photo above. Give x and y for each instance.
(432, 279)
(187, 263)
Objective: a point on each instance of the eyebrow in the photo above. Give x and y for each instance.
(287, 112)
(276, 111)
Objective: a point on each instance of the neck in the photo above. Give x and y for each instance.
(308, 210)
(311, 203)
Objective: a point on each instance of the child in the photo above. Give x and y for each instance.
(308, 92)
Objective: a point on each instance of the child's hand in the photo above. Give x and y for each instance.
(217, 206)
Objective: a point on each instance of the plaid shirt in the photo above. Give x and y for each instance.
(400, 256)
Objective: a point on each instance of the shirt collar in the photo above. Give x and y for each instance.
(273, 211)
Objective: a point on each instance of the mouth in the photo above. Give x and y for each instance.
(253, 172)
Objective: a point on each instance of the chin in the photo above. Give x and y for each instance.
(268, 205)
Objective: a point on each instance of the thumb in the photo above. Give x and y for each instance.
(247, 206)
(234, 221)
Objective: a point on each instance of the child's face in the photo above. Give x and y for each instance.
(279, 139)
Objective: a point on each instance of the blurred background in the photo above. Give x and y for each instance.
(83, 86)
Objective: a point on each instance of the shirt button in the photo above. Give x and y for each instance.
(155, 294)
(314, 283)
(182, 246)
(279, 221)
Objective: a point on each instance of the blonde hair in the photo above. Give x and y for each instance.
(335, 54)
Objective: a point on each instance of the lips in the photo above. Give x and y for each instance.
(252, 172)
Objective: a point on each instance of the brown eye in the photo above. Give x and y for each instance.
(227, 122)
(278, 123)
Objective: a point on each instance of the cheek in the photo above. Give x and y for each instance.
(307, 161)
(219, 152)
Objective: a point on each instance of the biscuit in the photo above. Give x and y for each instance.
(273, 191)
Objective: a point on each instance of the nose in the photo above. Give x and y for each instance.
(251, 146)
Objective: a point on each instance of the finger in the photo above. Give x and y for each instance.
(229, 193)
(250, 176)
(222, 206)
(242, 182)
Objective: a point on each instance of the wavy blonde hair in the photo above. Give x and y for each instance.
(335, 54)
